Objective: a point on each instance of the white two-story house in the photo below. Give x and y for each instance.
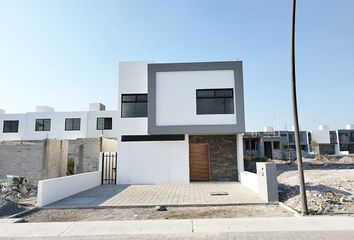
(180, 122)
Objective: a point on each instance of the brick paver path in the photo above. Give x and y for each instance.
(161, 194)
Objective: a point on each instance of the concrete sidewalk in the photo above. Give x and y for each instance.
(177, 227)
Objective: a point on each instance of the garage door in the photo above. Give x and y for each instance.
(199, 162)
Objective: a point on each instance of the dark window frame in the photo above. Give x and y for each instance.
(13, 128)
(107, 125)
(67, 120)
(43, 121)
(276, 145)
(215, 95)
(148, 138)
(137, 98)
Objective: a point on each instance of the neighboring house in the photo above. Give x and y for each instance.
(324, 141)
(339, 141)
(180, 122)
(346, 139)
(45, 123)
(272, 144)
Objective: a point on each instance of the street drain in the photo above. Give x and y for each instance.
(218, 193)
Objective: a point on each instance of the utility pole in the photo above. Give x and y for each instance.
(304, 210)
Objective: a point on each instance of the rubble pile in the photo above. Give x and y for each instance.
(329, 186)
(16, 195)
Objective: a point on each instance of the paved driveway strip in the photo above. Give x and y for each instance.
(193, 194)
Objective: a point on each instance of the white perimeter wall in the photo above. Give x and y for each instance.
(321, 136)
(153, 162)
(55, 189)
(176, 97)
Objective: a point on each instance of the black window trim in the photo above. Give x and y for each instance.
(215, 97)
(104, 123)
(148, 138)
(66, 129)
(43, 119)
(135, 101)
(11, 121)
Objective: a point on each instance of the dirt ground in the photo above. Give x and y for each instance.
(329, 185)
(61, 215)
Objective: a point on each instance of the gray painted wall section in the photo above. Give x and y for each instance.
(239, 125)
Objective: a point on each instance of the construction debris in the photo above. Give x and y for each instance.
(16, 195)
(329, 185)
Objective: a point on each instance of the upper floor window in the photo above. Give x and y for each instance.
(42, 125)
(134, 105)
(104, 123)
(10, 126)
(291, 138)
(215, 101)
(72, 124)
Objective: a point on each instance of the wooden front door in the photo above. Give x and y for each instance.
(199, 162)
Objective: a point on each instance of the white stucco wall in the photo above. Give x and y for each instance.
(176, 97)
(153, 162)
(132, 79)
(55, 189)
(91, 127)
(149, 161)
(57, 125)
(321, 137)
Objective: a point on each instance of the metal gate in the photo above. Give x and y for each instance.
(109, 168)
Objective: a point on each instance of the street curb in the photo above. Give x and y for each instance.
(289, 209)
(154, 205)
(25, 212)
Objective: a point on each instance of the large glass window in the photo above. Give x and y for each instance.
(104, 123)
(10, 126)
(134, 105)
(72, 124)
(42, 125)
(215, 101)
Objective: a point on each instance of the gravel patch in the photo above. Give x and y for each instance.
(329, 185)
(8, 208)
(104, 214)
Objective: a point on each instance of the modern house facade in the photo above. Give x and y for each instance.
(180, 122)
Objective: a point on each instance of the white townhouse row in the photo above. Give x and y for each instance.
(46, 123)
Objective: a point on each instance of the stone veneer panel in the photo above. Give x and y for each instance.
(223, 160)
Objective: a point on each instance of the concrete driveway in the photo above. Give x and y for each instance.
(193, 194)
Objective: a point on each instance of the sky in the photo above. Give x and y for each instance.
(65, 53)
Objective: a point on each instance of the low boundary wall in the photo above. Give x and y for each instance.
(52, 190)
(249, 180)
(264, 183)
